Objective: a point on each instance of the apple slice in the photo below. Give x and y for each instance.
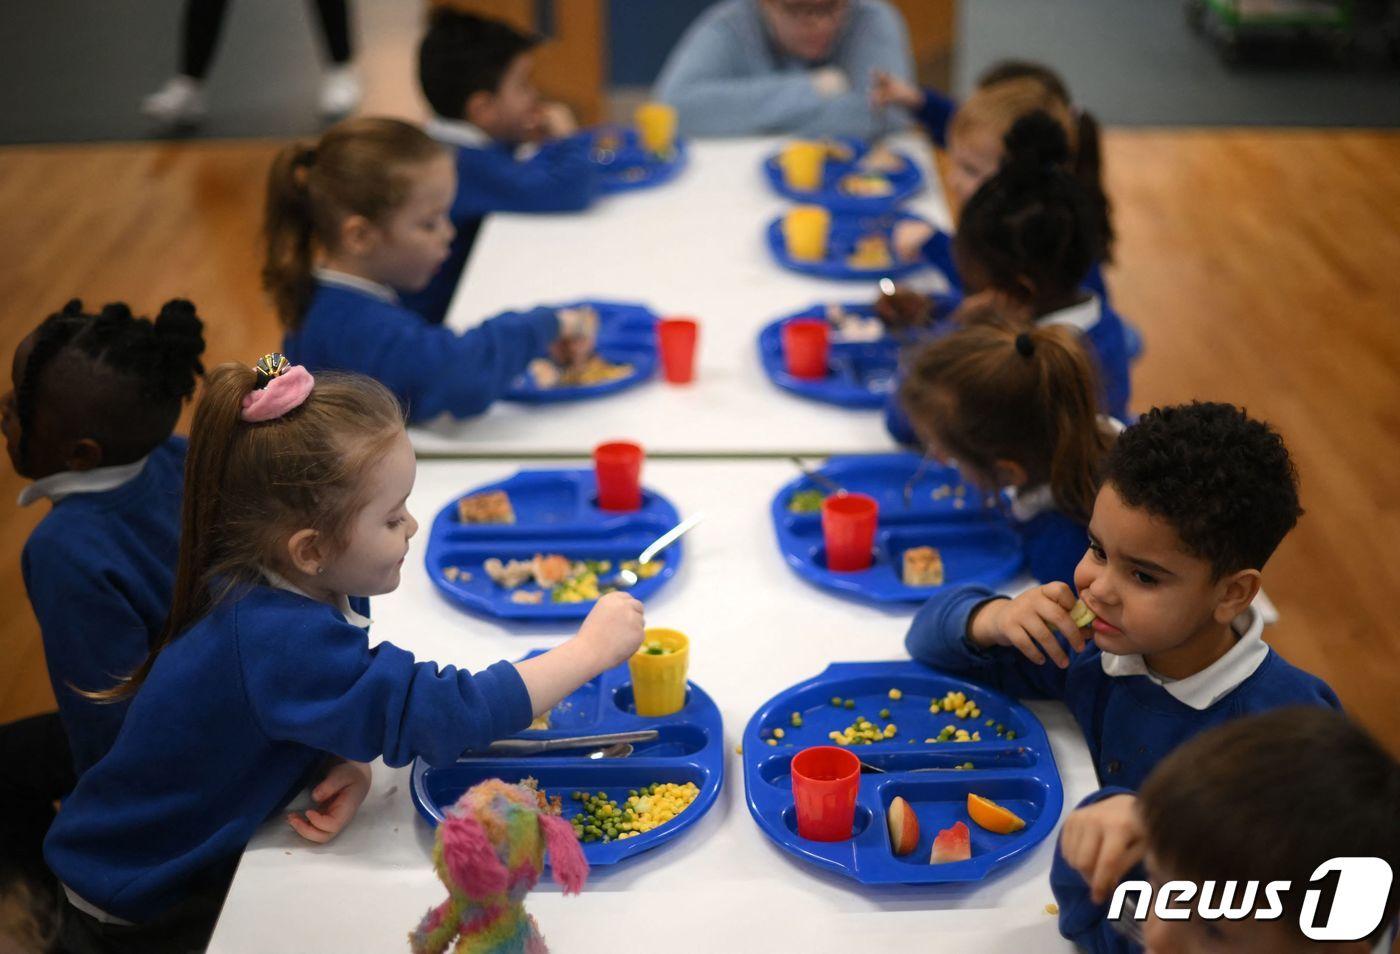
(904, 827)
(952, 844)
(1081, 615)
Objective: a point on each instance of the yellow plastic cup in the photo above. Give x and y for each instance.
(803, 164)
(805, 231)
(656, 125)
(658, 682)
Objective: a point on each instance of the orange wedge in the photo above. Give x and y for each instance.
(992, 816)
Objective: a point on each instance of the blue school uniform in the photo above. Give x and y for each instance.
(99, 570)
(237, 715)
(356, 325)
(935, 115)
(1053, 542)
(1131, 718)
(560, 177)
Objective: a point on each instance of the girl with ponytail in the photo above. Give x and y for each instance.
(263, 679)
(88, 420)
(356, 219)
(1017, 410)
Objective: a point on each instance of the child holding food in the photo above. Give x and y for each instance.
(361, 215)
(1018, 411)
(1194, 500)
(514, 153)
(1263, 799)
(95, 398)
(1027, 238)
(263, 679)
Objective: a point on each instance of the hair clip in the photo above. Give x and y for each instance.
(281, 386)
(1025, 347)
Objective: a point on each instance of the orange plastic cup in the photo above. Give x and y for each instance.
(848, 528)
(677, 337)
(806, 344)
(618, 468)
(825, 782)
(656, 127)
(803, 164)
(658, 682)
(805, 232)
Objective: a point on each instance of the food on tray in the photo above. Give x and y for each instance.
(549, 804)
(527, 597)
(951, 733)
(863, 732)
(806, 501)
(492, 506)
(601, 818)
(838, 151)
(564, 580)
(957, 703)
(594, 369)
(904, 827)
(455, 574)
(992, 816)
(881, 159)
(852, 325)
(541, 721)
(923, 566)
(1081, 615)
(654, 648)
(865, 185)
(952, 844)
(871, 252)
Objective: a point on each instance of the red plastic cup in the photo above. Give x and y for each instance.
(677, 337)
(805, 347)
(618, 468)
(825, 780)
(848, 527)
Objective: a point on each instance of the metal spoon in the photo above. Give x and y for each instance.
(868, 769)
(817, 477)
(626, 579)
(886, 286)
(618, 750)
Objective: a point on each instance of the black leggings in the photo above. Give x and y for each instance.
(204, 18)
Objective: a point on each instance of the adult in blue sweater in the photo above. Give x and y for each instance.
(359, 217)
(1194, 501)
(89, 421)
(1027, 238)
(514, 152)
(1261, 800)
(761, 67)
(1018, 412)
(263, 680)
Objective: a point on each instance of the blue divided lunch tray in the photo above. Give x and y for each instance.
(689, 748)
(862, 374)
(969, 531)
(555, 512)
(624, 166)
(841, 242)
(626, 335)
(1017, 773)
(903, 182)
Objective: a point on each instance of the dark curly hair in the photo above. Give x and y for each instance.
(462, 54)
(1223, 480)
(131, 376)
(1033, 219)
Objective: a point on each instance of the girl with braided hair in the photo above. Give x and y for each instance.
(89, 421)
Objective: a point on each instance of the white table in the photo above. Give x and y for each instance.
(755, 629)
(692, 247)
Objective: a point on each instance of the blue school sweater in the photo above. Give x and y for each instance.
(935, 114)
(1052, 541)
(236, 715)
(1081, 920)
(560, 177)
(431, 369)
(1102, 331)
(99, 570)
(1129, 722)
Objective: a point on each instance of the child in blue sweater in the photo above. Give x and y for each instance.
(1194, 501)
(514, 153)
(1268, 798)
(361, 216)
(1018, 413)
(1027, 238)
(89, 421)
(263, 680)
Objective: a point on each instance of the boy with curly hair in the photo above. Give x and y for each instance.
(1193, 502)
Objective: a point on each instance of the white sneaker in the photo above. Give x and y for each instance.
(340, 93)
(180, 102)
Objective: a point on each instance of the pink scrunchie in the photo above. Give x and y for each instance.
(284, 392)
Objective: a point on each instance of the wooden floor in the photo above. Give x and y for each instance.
(1263, 268)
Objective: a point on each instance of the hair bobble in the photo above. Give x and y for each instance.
(281, 386)
(1025, 347)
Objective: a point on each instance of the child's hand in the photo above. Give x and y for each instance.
(1027, 623)
(557, 121)
(1103, 842)
(886, 90)
(904, 308)
(909, 238)
(338, 796)
(613, 630)
(829, 82)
